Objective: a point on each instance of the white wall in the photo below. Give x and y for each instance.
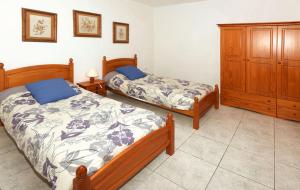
(87, 52)
(186, 37)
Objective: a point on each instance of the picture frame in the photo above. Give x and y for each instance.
(120, 32)
(87, 24)
(39, 26)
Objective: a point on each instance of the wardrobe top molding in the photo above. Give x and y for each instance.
(261, 24)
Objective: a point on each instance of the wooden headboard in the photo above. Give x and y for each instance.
(24, 75)
(111, 65)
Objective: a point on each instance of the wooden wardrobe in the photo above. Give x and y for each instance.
(260, 68)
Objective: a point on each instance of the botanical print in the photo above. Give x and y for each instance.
(173, 93)
(86, 129)
(88, 24)
(121, 33)
(40, 26)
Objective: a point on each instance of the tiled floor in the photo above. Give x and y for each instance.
(233, 150)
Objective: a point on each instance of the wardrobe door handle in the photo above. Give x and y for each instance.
(279, 62)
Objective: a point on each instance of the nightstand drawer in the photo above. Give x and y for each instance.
(92, 88)
(97, 87)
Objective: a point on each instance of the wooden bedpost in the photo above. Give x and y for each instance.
(71, 70)
(2, 77)
(170, 125)
(135, 59)
(82, 180)
(217, 92)
(104, 66)
(196, 117)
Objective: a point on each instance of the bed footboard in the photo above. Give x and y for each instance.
(128, 163)
(203, 106)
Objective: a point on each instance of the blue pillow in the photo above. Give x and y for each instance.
(131, 72)
(52, 90)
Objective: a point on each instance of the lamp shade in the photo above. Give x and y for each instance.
(92, 73)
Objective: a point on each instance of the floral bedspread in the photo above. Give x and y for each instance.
(86, 129)
(172, 93)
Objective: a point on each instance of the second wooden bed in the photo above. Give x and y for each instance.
(199, 109)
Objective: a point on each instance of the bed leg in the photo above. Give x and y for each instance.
(196, 117)
(2, 77)
(217, 92)
(170, 125)
(82, 180)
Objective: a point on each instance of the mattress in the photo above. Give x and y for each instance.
(172, 93)
(86, 129)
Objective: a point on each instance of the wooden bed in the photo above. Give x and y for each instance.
(200, 106)
(126, 164)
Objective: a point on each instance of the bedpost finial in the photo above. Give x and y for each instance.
(81, 172)
(104, 58)
(71, 60)
(170, 116)
(196, 99)
(135, 56)
(82, 180)
(1, 65)
(216, 86)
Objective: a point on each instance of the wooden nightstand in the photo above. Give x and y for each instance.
(97, 87)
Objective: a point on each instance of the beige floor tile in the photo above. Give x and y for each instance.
(253, 166)
(258, 119)
(147, 180)
(187, 171)
(204, 148)
(254, 139)
(23, 180)
(225, 180)
(286, 123)
(287, 132)
(182, 133)
(287, 143)
(228, 113)
(221, 131)
(158, 161)
(259, 129)
(12, 163)
(138, 180)
(6, 143)
(288, 154)
(287, 178)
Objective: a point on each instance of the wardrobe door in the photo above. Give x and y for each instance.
(288, 66)
(261, 60)
(233, 58)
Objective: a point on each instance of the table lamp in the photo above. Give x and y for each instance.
(92, 74)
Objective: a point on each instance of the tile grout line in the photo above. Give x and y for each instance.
(228, 170)
(170, 180)
(176, 149)
(274, 125)
(250, 152)
(238, 126)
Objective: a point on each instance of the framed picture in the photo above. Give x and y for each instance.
(120, 32)
(87, 24)
(39, 26)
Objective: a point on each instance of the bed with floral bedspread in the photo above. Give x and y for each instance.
(86, 129)
(172, 93)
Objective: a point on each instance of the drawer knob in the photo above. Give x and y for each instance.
(294, 106)
(294, 114)
(269, 101)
